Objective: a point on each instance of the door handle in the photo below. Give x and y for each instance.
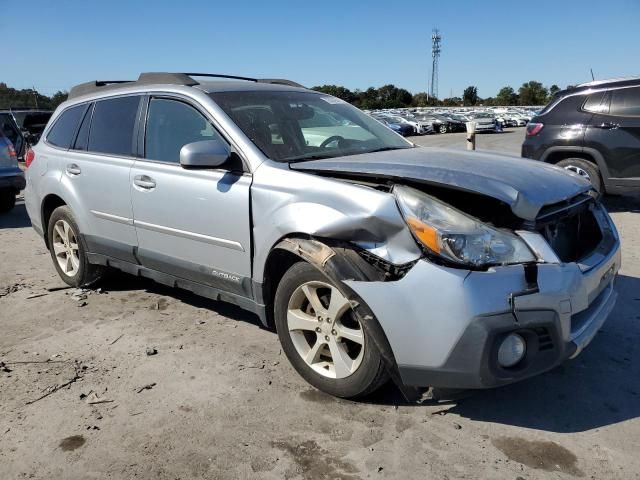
(73, 169)
(144, 181)
(606, 125)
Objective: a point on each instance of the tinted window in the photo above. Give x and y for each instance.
(62, 132)
(272, 121)
(625, 102)
(595, 104)
(171, 124)
(112, 126)
(83, 134)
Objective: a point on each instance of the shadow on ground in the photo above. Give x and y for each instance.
(16, 218)
(622, 203)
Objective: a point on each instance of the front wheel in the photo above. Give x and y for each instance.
(443, 129)
(323, 337)
(585, 169)
(69, 252)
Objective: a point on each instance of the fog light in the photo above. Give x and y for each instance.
(512, 350)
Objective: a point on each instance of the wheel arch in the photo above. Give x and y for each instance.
(49, 203)
(339, 261)
(554, 155)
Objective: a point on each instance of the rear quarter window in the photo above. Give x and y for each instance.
(625, 102)
(595, 104)
(63, 130)
(112, 126)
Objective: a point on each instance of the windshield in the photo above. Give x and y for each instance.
(295, 126)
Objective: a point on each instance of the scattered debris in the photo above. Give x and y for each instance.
(4, 368)
(77, 376)
(4, 291)
(93, 399)
(149, 386)
(36, 295)
(442, 412)
(457, 426)
(117, 339)
(135, 413)
(82, 304)
(151, 351)
(80, 294)
(57, 289)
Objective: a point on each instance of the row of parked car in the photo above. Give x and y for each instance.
(419, 121)
(18, 130)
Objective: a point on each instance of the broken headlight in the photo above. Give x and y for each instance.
(455, 236)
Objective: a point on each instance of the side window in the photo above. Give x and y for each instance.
(625, 102)
(595, 104)
(171, 124)
(112, 125)
(62, 132)
(82, 140)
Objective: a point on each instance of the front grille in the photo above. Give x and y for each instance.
(570, 228)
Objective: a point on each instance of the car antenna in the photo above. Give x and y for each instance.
(592, 77)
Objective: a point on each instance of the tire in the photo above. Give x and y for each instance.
(7, 200)
(78, 272)
(367, 371)
(585, 169)
(443, 129)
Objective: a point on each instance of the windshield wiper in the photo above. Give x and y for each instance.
(385, 149)
(303, 158)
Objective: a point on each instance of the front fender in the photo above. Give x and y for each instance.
(287, 203)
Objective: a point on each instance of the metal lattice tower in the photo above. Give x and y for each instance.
(435, 55)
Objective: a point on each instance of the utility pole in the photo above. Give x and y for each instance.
(35, 95)
(435, 55)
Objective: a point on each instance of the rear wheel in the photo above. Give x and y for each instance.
(69, 252)
(323, 337)
(7, 200)
(585, 169)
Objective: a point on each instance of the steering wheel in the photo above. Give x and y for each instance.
(331, 139)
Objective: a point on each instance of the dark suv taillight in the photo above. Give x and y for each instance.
(29, 157)
(534, 128)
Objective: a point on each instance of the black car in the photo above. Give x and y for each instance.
(594, 131)
(23, 127)
(444, 124)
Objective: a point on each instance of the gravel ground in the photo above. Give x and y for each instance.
(146, 382)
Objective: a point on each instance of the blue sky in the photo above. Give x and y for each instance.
(489, 44)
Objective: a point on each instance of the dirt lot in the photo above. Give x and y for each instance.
(217, 399)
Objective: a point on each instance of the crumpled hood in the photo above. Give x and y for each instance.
(525, 185)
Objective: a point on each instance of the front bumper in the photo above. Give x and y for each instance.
(444, 325)
(12, 178)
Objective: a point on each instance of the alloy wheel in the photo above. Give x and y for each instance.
(324, 330)
(583, 173)
(65, 248)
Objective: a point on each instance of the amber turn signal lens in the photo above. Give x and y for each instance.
(426, 234)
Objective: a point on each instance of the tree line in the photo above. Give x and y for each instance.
(390, 96)
(387, 96)
(29, 98)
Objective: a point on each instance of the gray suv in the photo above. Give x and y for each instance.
(371, 257)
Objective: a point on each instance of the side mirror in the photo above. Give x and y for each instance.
(204, 154)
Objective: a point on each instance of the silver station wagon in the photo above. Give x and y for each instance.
(372, 258)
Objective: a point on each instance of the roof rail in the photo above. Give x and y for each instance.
(608, 80)
(276, 81)
(89, 87)
(170, 78)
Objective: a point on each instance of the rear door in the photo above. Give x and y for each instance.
(614, 131)
(193, 224)
(96, 169)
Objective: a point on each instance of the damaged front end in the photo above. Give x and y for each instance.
(476, 282)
